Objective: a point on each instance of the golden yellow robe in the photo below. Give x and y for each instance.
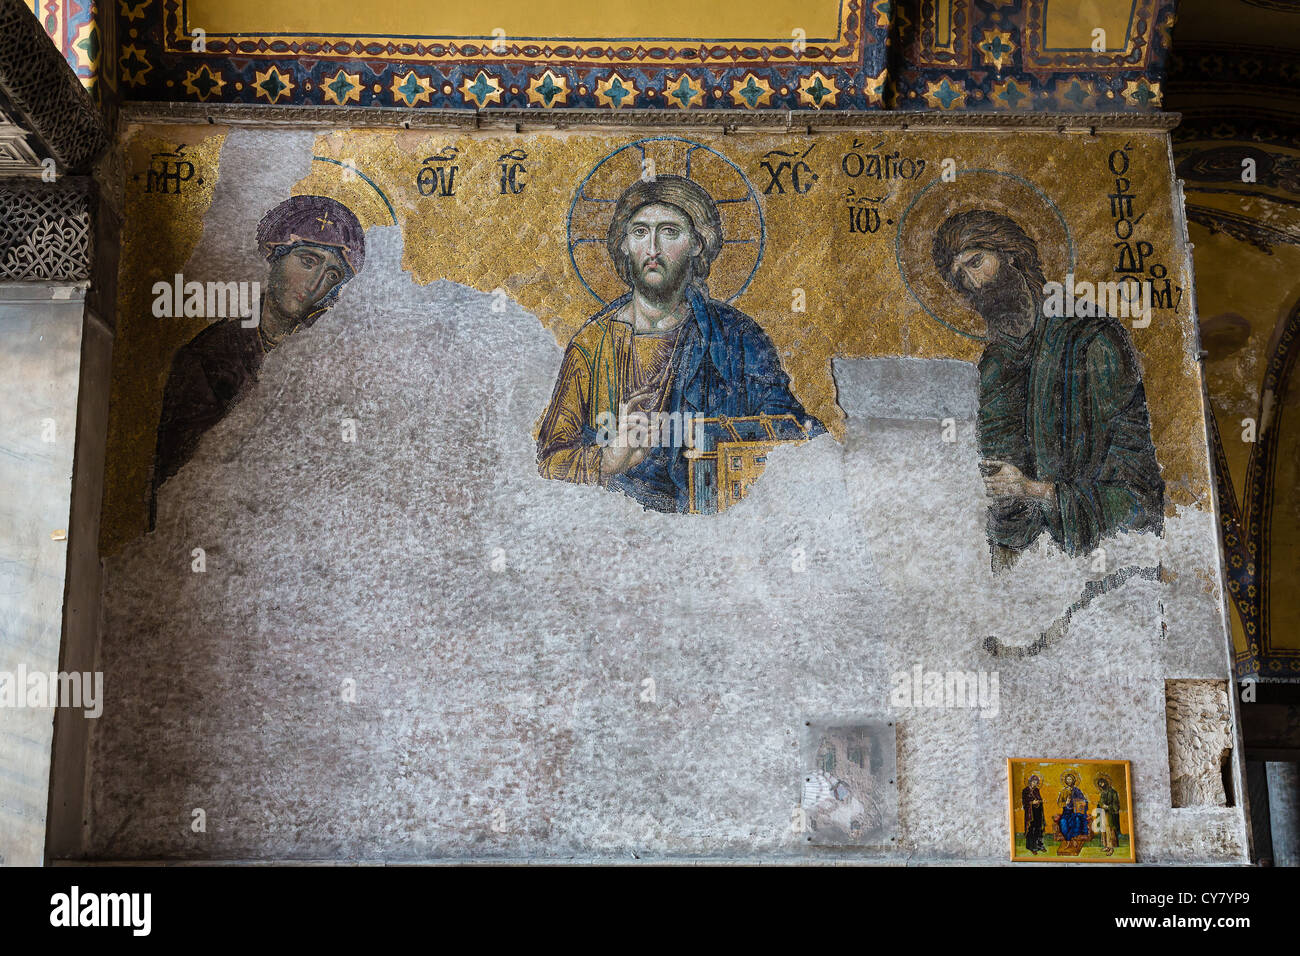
(605, 362)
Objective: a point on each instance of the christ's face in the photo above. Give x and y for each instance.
(302, 277)
(660, 243)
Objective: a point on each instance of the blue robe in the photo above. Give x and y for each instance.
(724, 365)
(1075, 824)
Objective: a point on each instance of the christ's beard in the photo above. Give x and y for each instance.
(670, 284)
(1004, 303)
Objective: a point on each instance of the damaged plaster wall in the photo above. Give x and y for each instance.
(410, 646)
(498, 629)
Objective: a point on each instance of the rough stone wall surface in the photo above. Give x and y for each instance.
(1200, 739)
(499, 713)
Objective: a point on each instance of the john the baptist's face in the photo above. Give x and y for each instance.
(976, 268)
(302, 277)
(660, 243)
(994, 286)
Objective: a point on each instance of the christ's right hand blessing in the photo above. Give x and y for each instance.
(618, 458)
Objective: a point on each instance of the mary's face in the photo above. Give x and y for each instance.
(303, 277)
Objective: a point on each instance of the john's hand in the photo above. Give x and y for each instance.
(1010, 482)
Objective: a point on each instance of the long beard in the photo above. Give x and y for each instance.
(1005, 303)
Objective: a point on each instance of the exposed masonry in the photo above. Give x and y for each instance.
(1198, 723)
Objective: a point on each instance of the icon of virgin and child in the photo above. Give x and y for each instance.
(664, 347)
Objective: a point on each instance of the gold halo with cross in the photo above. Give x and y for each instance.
(592, 210)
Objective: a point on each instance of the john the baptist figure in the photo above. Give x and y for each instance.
(1108, 801)
(1063, 423)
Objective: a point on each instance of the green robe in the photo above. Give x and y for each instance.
(1109, 802)
(1066, 405)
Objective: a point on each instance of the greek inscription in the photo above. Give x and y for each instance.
(437, 175)
(1135, 259)
(168, 172)
(858, 162)
(784, 166)
(512, 172)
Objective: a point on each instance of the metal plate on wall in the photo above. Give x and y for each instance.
(849, 785)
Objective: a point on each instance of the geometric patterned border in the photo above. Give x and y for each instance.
(71, 25)
(305, 117)
(949, 55)
(1264, 496)
(40, 92)
(992, 55)
(1202, 69)
(1246, 527)
(156, 62)
(1207, 149)
(45, 230)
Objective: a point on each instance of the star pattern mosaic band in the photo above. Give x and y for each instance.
(1002, 55)
(158, 62)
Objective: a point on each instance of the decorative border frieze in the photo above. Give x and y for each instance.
(236, 114)
(41, 93)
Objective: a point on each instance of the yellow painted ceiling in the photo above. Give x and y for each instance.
(760, 19)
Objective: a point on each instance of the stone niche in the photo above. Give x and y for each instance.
(1199, 724)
